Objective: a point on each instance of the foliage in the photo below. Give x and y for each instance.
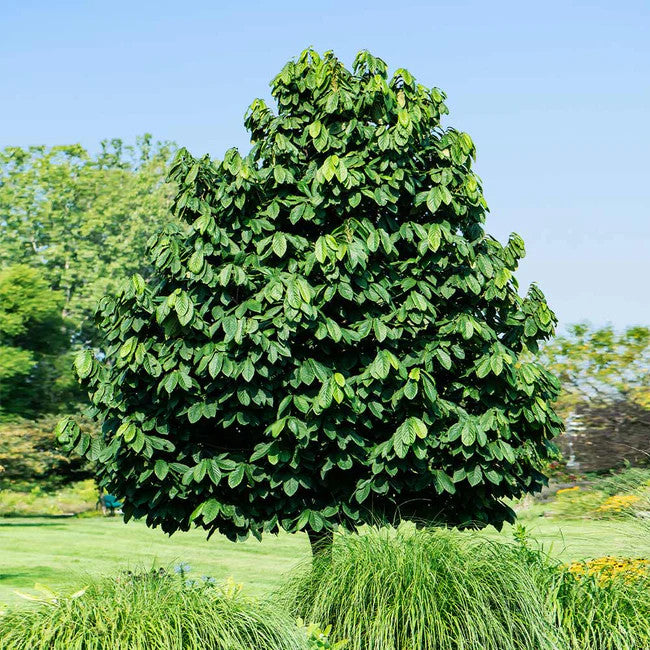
(320, 639)
(81, 220)
(31, 338)
(29, 453)
(434, 589)
(630, 479)
(425, 589)
(601, 365)
(597, 614)
(78, 498)
(334, 340)
(152, 610)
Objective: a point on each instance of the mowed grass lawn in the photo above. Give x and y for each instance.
(61, 552)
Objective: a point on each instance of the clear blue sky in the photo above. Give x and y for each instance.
(555, 94)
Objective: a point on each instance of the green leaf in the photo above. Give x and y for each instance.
(195, 412)
(214, 472)
(496, 363)
(314, 128)
(290, 487)
(248, 370)
(210, 510)
(475, 476)
(279, 244)
(321, 250)
(191, 176)
(418, 427)
(161, 468)
(468, 436)
(410, 389)
(434, 199)
(443, 482)
(444, 358)
(83, 363)
(195, 265)
(236, 476)
(434, 236)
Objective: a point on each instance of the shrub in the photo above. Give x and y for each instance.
(437, 590)
(424, 589)
(71, 499)
(30, 453)
(156, 611)
(630, 479)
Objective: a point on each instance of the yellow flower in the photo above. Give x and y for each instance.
(618, 503)
(571, 489)
(608, 568)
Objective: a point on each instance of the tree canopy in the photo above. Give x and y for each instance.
(332, 339)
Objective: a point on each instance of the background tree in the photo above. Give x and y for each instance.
(605, 378)
(72, 226)
(601, 365)
(32, 335)
(82, 220)
(335, 340)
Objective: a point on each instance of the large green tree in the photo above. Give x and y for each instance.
(82, 220)
(335, 340)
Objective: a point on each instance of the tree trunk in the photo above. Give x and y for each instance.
(321, 543)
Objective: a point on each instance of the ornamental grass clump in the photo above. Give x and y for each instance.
(427, 590)
(156, 611)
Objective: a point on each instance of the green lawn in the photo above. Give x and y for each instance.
(59, 552)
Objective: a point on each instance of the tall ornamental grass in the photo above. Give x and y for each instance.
(152, 612)
(442, 590)
(424, 590)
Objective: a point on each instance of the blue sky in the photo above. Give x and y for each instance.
(556, 96)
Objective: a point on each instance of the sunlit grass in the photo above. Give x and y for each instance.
(151, 611)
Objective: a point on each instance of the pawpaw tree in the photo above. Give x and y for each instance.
(330, 337)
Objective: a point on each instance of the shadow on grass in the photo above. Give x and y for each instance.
(23, 524)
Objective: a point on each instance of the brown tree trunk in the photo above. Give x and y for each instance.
(321, 543)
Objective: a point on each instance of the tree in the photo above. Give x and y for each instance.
(335, 340)
(605, 376)
(29, 454)
(32, 335)
(600, 365)
(82, 220)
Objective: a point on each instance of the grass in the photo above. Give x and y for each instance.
(409, 589)
(434, 589)
(64, 552)
(152, 611)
